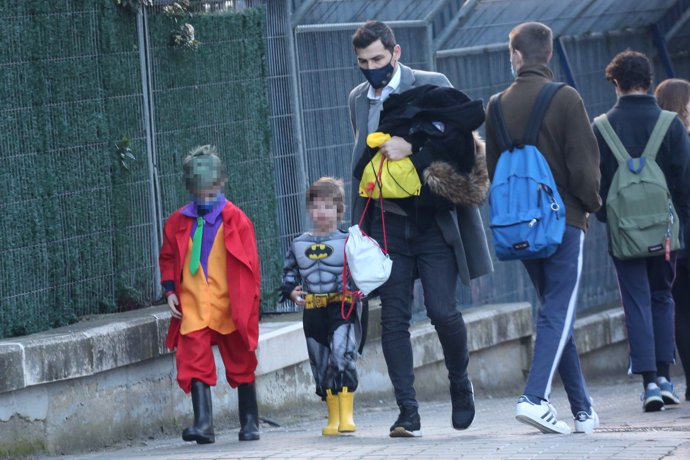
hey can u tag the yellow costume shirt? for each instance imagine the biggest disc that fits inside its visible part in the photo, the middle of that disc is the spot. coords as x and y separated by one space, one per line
207 303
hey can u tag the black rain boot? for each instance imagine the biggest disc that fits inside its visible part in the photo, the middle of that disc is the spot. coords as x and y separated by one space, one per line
249 412
202 431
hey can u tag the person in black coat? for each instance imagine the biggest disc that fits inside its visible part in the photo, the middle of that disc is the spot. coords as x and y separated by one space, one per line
645 283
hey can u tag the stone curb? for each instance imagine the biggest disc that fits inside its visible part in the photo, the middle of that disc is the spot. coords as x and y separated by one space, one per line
54 384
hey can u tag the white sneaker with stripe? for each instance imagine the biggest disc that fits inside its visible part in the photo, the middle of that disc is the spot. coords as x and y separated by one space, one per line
586 423
542 416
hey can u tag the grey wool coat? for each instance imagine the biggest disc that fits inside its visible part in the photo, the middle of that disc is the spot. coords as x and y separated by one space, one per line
462 227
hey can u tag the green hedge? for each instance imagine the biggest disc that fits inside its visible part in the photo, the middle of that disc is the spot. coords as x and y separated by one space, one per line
76 228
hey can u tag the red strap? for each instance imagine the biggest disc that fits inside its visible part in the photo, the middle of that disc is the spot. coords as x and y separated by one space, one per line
667 249
345 290
355 296
370 189
383 226
358 294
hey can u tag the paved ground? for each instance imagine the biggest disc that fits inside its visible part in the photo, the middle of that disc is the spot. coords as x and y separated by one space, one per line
625 433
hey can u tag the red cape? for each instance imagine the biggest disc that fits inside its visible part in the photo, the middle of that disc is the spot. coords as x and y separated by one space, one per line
244 276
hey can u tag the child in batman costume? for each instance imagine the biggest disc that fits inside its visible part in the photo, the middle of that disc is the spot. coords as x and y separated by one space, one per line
210 275
312 278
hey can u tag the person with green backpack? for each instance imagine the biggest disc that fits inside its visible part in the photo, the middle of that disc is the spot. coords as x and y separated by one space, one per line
645 184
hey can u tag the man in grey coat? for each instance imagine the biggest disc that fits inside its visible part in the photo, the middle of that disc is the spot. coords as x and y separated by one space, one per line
434 243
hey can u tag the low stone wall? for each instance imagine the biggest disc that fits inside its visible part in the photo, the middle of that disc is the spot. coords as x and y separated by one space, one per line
99 382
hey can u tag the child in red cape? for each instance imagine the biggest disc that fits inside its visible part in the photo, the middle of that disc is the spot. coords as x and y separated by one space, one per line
210 274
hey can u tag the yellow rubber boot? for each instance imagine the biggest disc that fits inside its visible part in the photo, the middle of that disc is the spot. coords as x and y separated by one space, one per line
347 406
331 429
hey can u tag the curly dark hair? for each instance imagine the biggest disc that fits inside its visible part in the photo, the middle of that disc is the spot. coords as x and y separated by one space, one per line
631 70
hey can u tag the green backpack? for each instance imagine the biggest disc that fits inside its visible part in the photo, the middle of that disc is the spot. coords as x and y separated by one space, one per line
642 221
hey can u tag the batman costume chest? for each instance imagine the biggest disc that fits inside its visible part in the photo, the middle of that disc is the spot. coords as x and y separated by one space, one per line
320 261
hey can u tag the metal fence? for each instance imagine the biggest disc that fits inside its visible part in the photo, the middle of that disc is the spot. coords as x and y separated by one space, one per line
93 243
317 65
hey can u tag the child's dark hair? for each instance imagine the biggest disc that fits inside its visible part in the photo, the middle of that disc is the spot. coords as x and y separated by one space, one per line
328 187
631 69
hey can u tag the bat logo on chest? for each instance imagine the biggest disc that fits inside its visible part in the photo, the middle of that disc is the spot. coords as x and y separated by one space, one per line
318 251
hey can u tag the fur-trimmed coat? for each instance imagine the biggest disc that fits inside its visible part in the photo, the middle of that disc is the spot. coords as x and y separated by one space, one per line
449 158
468 189
462 226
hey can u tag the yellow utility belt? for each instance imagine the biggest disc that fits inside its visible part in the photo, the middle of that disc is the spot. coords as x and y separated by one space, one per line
321 300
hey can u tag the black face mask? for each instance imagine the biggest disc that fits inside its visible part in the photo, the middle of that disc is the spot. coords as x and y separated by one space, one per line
378 78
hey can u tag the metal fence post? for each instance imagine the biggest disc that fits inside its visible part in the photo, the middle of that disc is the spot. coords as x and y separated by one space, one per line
154 200
295 99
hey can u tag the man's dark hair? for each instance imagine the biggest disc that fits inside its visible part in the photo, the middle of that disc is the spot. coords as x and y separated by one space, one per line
534 41
631 69
372 31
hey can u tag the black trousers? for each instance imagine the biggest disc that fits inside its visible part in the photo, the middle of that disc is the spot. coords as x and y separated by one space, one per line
681 296
418 251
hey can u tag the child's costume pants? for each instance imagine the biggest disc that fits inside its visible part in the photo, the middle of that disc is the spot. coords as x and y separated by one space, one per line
332 348
194 359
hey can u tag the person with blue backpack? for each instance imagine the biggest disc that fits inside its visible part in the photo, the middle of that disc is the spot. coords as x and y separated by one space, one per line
645 183
543 160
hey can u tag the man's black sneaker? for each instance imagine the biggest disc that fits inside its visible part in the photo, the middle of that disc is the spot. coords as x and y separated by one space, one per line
462 398
408 424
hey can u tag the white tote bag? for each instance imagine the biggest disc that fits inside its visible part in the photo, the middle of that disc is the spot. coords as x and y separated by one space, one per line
369 266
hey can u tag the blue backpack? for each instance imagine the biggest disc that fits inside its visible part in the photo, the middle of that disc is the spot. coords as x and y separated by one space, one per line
527 212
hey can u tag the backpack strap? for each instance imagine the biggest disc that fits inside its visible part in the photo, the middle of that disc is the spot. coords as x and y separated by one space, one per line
658 133
535 118
538 111
504 140
611 138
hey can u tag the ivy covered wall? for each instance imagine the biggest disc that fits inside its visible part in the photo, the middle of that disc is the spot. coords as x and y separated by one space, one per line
78 222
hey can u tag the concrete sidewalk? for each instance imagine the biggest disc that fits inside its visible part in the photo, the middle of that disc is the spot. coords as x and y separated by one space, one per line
625 433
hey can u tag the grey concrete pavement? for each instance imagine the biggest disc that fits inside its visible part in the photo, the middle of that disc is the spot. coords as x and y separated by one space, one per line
625 433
